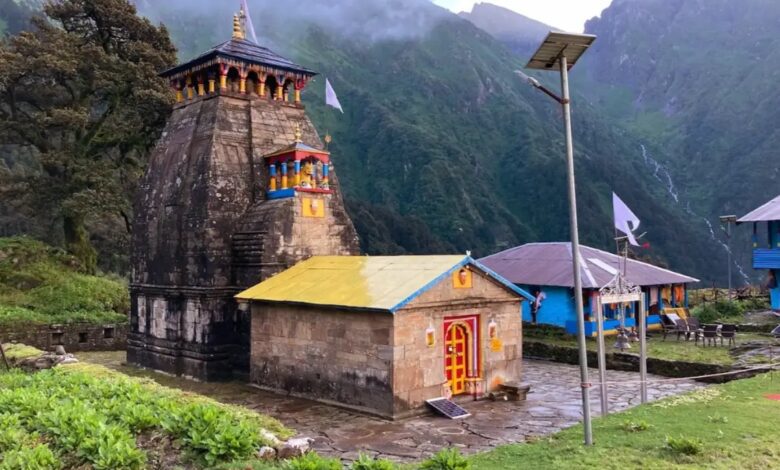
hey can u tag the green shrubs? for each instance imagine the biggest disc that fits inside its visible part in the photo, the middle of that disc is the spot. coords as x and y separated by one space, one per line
364 462
21 450
312 461
43 285
722 310
211 433
635 426
94 420
684 445
446 459
38 457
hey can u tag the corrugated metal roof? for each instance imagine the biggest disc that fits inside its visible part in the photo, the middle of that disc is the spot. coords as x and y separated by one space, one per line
767 212
550 264
363 282
245 50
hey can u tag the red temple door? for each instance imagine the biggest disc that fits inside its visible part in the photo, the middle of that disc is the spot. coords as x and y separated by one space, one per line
456 343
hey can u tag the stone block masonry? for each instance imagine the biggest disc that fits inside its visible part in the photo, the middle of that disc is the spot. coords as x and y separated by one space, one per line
74 337
204 231
381 362
324 353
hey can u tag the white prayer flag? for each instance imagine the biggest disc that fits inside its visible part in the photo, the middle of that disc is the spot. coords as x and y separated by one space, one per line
330 97
625 220
249 26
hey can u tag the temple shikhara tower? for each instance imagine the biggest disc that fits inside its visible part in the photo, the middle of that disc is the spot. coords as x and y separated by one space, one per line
238 189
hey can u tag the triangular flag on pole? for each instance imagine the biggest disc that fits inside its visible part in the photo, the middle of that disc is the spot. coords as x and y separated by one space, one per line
249 26
625 220
330 97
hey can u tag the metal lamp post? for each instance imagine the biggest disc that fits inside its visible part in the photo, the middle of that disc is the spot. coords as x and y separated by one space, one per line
561 51
725 223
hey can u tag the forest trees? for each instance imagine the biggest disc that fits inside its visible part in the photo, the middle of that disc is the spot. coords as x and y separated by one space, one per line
81 91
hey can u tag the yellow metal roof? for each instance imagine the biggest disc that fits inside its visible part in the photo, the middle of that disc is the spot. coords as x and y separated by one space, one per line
369 282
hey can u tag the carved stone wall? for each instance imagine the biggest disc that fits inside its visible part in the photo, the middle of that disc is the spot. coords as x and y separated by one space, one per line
204 231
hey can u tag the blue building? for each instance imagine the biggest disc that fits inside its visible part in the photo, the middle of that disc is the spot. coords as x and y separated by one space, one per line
766 248
545 270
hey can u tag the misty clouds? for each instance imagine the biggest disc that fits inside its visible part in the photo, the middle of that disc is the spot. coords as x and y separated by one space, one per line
358 20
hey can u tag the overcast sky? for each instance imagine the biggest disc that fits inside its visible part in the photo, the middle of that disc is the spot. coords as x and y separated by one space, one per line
569 15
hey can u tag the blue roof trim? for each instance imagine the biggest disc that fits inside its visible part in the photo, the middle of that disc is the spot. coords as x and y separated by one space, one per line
466 261
503 281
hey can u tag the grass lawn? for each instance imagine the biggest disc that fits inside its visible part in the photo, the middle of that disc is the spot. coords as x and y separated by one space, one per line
671 349
735 424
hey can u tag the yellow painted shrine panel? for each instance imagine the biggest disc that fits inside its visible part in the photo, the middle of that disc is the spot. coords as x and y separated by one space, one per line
313 207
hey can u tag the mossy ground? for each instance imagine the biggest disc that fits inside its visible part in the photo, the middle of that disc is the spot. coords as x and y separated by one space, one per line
40 284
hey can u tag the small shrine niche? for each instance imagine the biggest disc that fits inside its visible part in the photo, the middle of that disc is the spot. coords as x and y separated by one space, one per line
297 167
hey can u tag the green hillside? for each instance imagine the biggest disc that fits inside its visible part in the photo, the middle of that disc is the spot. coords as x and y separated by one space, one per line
442 148
703 76
43 285
698 79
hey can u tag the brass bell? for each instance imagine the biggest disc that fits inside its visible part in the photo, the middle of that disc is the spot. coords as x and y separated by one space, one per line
622 342
633 336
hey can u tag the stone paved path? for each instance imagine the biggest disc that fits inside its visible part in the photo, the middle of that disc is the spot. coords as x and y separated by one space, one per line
552 405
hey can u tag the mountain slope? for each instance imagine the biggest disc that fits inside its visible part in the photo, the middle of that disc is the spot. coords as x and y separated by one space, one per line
441 147
516 31
693 81
703 76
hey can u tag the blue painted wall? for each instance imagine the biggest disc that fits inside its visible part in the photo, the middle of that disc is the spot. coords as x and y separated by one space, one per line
774 238
556 309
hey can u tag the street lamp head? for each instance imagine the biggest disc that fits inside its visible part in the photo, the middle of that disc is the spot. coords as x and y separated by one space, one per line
531 80
555 45
728 219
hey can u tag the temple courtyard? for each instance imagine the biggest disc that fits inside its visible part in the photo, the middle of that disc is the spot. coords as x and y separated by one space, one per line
552 405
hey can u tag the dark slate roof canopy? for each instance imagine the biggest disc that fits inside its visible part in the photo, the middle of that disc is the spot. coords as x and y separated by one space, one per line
244 50
768 212
550 264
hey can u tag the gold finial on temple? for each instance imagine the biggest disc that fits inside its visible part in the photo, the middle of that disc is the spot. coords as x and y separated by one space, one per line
238 31
298 134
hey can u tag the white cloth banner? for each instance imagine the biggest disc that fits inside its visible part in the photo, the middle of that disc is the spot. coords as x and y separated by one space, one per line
625 220
330 97
249 26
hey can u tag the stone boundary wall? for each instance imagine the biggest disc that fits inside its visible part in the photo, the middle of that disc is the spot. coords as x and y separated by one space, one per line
630 362
74 337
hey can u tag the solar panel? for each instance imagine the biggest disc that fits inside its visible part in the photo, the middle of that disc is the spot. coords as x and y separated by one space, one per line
448 408
574 45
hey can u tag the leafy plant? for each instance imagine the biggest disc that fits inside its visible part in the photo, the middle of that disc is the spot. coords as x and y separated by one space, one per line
92 414
312 461
446 459
39 457
720 310
366 462
684 445
632 426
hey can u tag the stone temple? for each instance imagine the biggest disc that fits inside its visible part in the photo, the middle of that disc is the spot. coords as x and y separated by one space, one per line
238 188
